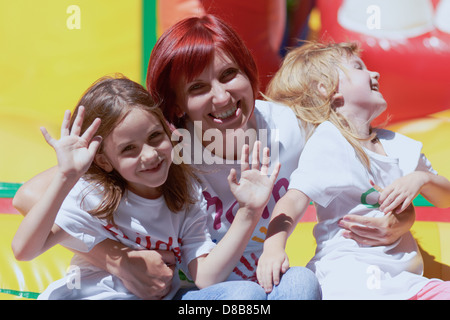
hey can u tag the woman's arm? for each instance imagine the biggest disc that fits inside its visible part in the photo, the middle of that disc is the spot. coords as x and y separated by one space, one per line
146 273
378 231
33 190
395 200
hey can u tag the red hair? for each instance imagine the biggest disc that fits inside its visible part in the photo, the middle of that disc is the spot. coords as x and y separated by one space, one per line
185 50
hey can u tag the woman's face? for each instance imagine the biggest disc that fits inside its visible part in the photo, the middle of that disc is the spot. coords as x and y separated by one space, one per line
221 97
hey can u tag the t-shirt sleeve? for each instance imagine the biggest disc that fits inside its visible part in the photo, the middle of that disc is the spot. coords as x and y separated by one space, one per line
425 165
196 239
323 168
85 231
407 150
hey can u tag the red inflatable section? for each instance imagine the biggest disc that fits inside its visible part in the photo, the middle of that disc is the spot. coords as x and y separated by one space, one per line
414 71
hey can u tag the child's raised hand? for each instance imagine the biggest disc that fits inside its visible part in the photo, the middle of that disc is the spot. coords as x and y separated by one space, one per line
254 187
75 153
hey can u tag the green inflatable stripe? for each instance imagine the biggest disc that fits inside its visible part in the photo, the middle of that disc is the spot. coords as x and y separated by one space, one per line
420 201
149 34
8 189
22 294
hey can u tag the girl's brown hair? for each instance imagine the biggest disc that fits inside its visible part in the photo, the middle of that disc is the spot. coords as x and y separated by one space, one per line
296 86
111 99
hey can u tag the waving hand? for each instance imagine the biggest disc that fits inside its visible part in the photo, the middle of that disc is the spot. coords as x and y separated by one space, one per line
75 152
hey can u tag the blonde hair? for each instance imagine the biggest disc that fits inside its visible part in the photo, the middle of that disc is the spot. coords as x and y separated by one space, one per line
296 85
111 99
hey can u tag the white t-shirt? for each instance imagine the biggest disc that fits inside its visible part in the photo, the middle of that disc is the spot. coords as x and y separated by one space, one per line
277 128
330 173
140 224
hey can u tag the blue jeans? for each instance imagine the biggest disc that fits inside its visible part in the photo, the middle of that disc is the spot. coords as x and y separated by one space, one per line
298 283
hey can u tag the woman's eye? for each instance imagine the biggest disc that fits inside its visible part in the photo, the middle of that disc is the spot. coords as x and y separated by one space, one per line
195 87
229 74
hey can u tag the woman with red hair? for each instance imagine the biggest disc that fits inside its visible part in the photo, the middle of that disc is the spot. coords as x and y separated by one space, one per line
206 80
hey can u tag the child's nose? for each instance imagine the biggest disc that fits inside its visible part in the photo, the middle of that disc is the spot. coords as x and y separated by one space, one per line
148 154
375 75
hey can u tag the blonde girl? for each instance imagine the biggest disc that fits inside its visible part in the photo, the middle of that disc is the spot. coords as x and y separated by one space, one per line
344 160
116 180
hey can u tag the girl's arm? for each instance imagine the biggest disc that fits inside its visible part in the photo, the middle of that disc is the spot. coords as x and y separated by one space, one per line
146 273
395 200
400 194
252 192
274 261
37 232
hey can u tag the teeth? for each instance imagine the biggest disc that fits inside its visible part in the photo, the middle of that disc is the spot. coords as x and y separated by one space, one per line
225 114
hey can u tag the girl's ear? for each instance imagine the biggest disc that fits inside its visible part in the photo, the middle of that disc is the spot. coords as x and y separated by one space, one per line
322 89
101 161
337 99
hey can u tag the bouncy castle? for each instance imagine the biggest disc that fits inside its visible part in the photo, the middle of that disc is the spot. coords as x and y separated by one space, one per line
54 49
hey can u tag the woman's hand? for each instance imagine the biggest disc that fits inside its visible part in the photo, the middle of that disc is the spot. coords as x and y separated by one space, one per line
378 231
385 230
148 273
254 188
75 153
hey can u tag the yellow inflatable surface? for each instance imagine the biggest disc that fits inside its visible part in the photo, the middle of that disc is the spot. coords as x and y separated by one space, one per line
52 50
20 280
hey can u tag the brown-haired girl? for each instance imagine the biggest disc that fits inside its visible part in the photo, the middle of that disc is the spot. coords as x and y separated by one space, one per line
116 180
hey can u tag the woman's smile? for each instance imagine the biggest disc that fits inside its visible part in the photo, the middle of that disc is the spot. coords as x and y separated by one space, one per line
221 97
229 114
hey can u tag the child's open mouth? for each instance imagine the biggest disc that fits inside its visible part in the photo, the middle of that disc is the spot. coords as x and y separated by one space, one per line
153 168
